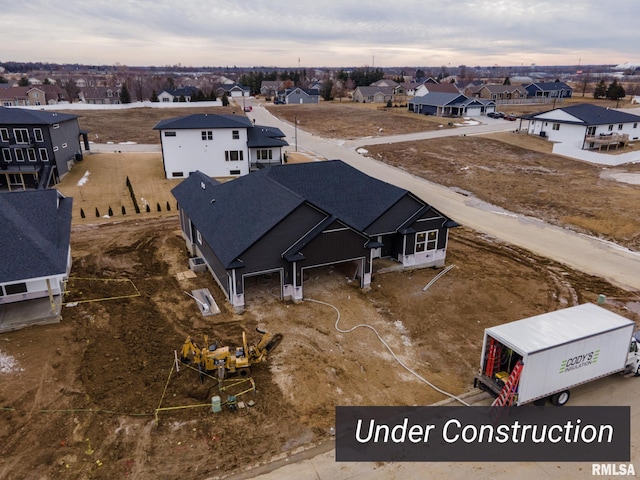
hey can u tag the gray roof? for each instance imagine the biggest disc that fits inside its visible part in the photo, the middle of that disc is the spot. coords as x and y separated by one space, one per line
439 99
549 86
36 226
261 136
234 215
594 115
204 120
375 90
23 116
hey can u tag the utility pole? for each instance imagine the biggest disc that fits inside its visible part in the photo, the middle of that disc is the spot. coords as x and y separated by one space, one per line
295 129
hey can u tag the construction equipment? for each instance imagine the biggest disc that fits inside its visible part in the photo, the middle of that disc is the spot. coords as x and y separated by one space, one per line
228 360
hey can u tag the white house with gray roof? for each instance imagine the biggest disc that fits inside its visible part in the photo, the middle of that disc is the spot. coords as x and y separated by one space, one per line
217 145
585 126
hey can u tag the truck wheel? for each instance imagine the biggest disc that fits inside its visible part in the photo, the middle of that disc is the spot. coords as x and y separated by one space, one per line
560 399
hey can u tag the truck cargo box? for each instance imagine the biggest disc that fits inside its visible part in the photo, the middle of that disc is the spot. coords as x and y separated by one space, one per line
558 350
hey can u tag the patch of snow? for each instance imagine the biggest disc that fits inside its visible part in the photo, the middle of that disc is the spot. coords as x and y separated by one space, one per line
8 364
362 151
84 179
128 143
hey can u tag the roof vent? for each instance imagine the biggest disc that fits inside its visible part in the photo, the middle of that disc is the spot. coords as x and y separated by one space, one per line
202 185
212 200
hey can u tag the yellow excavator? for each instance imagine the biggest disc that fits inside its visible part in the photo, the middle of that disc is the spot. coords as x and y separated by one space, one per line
228 360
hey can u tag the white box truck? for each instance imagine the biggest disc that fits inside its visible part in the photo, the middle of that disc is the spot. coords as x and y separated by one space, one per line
543 357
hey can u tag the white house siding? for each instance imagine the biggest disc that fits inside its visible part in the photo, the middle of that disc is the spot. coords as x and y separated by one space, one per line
565 133
186 152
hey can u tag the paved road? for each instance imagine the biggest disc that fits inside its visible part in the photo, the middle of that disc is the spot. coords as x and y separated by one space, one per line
587 254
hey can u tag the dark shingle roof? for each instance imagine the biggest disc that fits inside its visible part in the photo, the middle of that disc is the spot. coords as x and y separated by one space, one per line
23 116
594 115
234 215
36 226
204 120
245 209
261 136
339 189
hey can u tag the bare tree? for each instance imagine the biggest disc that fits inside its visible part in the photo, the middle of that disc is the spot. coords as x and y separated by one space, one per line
68 84
584 81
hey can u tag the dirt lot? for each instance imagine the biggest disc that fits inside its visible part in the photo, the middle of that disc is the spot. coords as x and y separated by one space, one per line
79 399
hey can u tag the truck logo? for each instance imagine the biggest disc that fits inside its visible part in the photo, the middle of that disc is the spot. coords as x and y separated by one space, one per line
579 361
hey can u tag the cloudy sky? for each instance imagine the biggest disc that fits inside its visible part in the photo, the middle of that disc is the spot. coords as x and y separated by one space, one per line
317 33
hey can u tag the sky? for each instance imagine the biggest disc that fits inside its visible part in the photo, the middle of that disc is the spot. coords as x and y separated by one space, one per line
321 33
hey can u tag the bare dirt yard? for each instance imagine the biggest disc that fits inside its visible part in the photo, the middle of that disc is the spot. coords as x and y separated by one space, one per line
96 396
80 398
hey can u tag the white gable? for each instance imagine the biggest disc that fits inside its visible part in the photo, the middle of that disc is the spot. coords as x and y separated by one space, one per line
559 115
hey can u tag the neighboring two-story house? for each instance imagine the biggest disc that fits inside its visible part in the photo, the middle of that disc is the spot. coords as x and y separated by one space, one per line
217 145
32 96
37 148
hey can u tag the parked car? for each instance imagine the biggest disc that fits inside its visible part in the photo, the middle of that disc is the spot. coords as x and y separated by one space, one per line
511 118
495 115
248 109
278 102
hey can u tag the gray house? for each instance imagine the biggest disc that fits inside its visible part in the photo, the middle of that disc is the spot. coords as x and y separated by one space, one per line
284 220
450 105
297 95
38 148
35 258
549 90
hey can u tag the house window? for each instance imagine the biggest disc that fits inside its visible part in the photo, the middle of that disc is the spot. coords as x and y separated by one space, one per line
199 237
234 155
19 155
556 126
169 134
4 134
6 154
44 154
177 174
235 134
635 125
37 133
31 154
619 126
15 288
21 134
207 134
610 127
426 241
234 172
265 155
591 130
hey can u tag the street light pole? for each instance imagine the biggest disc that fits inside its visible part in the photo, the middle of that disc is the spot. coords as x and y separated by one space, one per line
295 120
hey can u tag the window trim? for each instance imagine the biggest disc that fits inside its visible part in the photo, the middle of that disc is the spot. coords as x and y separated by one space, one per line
37 134
19 155
44 154
31 155
4 134
20 134
6 155
426 241
206 135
